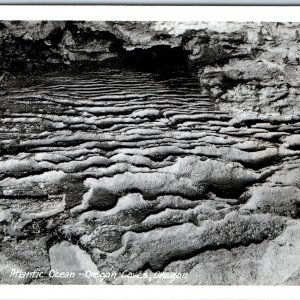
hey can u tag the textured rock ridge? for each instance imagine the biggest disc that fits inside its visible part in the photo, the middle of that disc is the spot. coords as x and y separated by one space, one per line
152 153
242 66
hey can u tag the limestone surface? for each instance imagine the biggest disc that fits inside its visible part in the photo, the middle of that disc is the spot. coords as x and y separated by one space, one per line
149 153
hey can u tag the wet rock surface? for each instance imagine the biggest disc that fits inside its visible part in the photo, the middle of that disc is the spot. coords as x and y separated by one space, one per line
187 166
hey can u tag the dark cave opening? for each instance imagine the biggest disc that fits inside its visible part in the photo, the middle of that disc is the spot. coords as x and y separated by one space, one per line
74 50
161 58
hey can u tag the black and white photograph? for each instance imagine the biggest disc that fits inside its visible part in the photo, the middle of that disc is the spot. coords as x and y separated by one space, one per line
149 153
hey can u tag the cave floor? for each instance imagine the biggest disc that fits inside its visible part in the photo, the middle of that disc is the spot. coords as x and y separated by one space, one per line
124 171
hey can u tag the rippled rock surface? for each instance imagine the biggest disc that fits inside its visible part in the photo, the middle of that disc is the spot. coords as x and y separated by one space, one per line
149 153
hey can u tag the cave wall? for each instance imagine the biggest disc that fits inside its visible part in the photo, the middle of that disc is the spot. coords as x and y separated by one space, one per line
249 67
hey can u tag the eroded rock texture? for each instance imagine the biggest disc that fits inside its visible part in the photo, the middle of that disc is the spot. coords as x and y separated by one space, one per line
144 150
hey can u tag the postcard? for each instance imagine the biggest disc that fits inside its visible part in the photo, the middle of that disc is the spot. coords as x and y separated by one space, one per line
139 152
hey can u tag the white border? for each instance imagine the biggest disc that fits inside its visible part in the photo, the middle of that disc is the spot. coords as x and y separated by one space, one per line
151 13
51 292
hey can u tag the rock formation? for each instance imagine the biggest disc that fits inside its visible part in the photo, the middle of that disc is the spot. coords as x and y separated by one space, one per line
151 153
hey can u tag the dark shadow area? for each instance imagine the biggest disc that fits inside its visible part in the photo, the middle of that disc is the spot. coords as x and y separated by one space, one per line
158 58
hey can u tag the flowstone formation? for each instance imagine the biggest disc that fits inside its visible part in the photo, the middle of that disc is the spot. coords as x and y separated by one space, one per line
149 153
